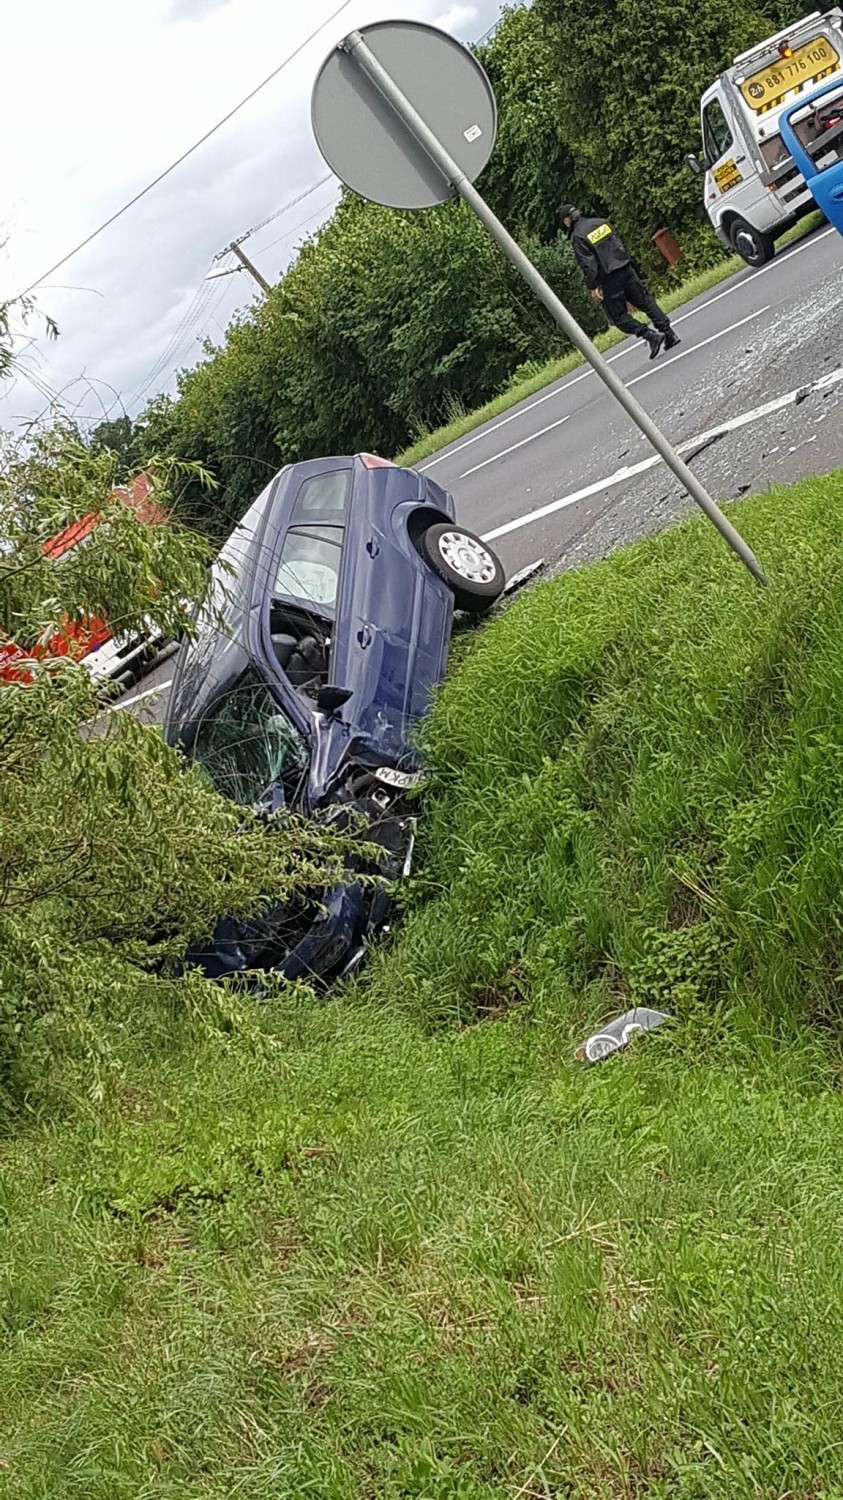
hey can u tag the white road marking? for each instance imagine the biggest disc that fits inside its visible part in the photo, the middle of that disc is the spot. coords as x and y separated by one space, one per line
530 439
813 239
485 431
620 476
139 697
654 370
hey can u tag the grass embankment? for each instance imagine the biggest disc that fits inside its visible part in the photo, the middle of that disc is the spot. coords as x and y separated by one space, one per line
431 442
399 1244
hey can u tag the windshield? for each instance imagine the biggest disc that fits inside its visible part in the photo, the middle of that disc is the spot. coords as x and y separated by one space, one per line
245 745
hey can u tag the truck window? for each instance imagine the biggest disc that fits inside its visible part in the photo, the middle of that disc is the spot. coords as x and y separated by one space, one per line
717 137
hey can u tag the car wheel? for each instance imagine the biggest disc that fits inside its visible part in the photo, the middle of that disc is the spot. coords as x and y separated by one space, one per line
471 570
750 244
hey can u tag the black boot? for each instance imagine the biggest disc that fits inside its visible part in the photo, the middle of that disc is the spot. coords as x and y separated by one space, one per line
655 340
671 339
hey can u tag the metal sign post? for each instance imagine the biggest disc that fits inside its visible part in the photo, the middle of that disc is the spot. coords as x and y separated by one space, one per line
377 142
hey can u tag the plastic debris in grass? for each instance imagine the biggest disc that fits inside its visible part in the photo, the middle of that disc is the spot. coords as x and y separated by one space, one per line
618 1033
518 580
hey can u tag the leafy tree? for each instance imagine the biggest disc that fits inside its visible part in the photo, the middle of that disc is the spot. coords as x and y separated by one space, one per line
631 73
386 322
532 167
113 856
125 571
117 437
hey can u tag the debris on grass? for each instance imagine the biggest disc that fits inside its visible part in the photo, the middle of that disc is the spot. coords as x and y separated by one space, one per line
618 1033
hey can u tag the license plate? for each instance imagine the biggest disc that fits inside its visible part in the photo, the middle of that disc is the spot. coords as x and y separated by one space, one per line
401 779
767 88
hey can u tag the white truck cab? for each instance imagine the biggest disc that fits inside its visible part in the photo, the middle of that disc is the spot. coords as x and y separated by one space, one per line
753 191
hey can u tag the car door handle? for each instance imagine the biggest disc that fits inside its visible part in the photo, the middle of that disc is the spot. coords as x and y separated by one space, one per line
837 193
372 547
364 637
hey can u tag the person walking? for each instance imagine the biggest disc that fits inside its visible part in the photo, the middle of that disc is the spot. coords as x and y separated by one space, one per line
612 278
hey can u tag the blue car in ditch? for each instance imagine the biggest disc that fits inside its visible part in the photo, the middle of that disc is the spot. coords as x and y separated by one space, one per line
326 631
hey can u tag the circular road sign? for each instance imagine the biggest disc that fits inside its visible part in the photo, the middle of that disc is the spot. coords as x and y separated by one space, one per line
362 138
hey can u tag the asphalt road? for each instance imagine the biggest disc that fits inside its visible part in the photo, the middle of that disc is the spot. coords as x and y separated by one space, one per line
550 478
752 395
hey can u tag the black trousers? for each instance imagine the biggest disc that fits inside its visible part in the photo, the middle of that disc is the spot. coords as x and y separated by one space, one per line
621 287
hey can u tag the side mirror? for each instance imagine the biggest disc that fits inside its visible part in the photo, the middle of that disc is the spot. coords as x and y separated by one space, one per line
694 165
330 699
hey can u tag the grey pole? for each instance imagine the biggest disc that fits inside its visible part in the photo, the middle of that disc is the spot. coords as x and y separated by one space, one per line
355 46
248 266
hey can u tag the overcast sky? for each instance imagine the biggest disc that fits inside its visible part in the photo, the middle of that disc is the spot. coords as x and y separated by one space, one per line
102 96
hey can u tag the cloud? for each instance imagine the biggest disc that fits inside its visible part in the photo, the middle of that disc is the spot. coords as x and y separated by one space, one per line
459 20
192 10
125 91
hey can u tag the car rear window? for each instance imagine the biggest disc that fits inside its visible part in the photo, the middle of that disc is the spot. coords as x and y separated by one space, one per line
324 494
309 568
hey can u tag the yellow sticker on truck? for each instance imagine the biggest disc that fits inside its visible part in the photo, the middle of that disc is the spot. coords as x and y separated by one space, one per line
808 64
602 232
727 175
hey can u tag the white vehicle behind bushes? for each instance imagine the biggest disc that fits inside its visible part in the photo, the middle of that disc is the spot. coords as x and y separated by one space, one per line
119 658
753 190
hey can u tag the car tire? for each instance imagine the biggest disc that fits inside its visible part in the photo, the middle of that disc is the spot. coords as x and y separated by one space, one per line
750 244
470 568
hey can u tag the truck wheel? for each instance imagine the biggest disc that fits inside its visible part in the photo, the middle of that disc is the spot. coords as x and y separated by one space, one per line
753 246
470 568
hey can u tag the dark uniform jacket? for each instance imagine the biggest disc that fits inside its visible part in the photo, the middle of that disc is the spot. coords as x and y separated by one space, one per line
599 250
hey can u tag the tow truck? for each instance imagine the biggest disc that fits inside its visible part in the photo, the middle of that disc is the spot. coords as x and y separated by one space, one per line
753 188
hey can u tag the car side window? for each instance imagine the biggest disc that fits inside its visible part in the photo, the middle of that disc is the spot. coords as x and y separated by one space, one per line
309 567
717 136
323 494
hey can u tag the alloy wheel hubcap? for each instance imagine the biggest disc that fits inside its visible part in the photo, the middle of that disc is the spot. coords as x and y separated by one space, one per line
467 557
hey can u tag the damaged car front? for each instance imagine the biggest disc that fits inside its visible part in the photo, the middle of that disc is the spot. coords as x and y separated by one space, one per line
324 635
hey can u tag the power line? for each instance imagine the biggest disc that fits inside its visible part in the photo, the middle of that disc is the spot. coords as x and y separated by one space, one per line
316 185
197 309
185 154
262 249
278 212
202 304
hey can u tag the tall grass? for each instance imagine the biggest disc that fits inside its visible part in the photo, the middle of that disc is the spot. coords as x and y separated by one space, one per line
399 1245
640 774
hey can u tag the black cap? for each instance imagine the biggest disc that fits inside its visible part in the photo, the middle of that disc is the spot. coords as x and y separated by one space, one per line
567 211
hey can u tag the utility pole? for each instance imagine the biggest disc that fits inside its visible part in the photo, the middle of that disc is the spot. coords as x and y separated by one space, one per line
247 265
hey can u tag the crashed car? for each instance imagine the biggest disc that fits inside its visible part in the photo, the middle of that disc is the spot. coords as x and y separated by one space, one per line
326 631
